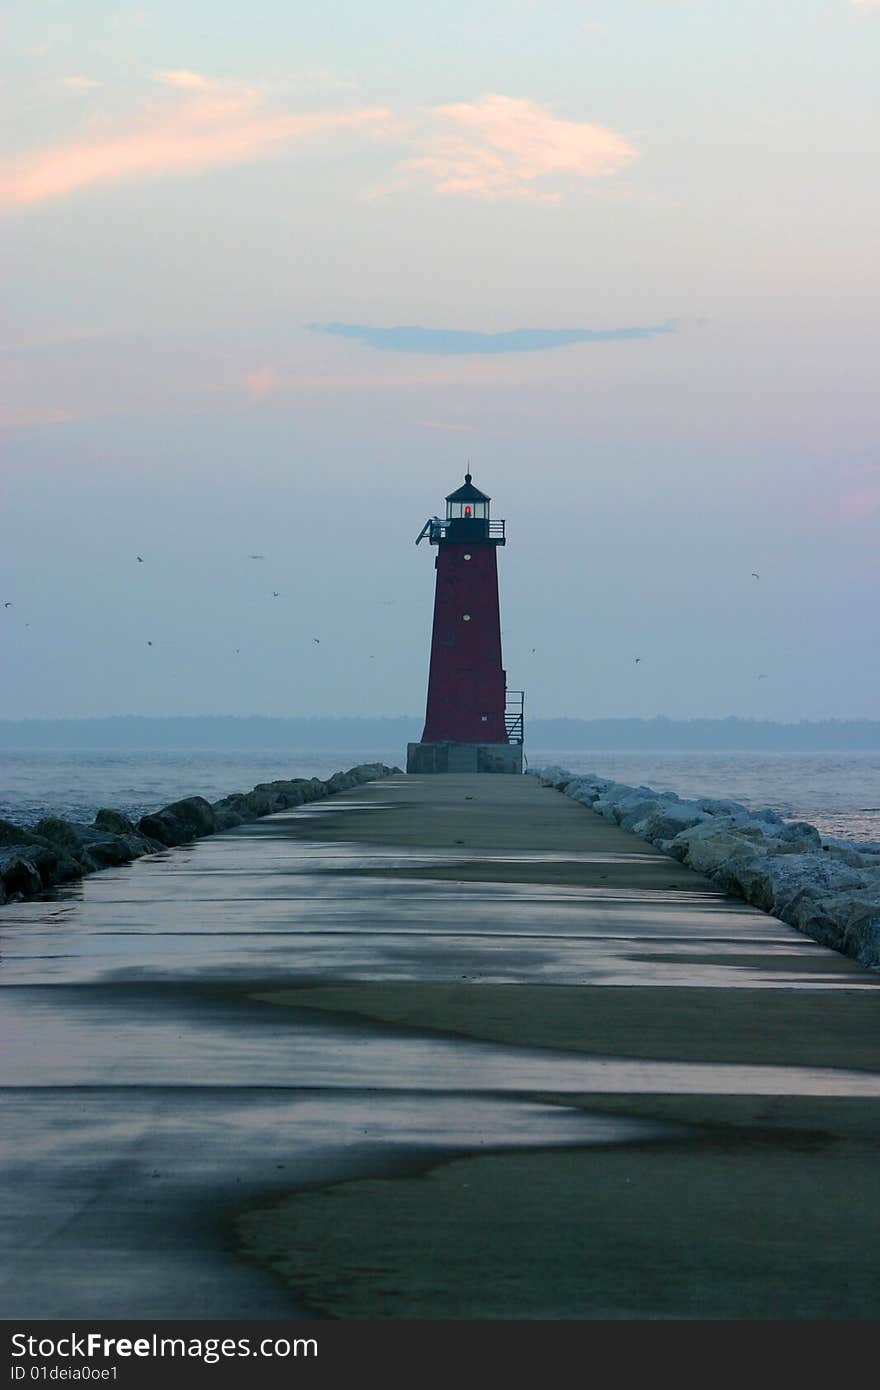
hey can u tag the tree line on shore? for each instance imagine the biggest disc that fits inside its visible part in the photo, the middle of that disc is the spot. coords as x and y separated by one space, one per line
228 732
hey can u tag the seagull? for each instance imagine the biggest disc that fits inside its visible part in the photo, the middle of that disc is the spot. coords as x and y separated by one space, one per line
534 649
638 659
149 644
275 593
140 559
755 576
7 605
316 639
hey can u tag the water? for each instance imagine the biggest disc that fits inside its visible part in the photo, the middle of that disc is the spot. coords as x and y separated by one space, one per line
839 793
77 784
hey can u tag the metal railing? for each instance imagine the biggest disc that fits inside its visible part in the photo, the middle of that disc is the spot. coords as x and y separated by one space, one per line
514 702
435 529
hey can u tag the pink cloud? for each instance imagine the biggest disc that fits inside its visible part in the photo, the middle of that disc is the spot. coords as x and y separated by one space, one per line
80 83
185 78
210 125
261 383
13 417
504 147
860 503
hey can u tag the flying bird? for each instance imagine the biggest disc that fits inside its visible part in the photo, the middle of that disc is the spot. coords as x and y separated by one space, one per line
258 557
755 576
275 593
140 559
638 659
316 639
149 644
7 605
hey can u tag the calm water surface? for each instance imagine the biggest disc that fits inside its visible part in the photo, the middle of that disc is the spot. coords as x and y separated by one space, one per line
837 792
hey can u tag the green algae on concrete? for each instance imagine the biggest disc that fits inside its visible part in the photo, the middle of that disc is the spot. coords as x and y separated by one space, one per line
786 1027
755 1222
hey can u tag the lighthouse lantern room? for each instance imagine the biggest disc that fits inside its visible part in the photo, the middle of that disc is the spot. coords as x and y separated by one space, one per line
472 723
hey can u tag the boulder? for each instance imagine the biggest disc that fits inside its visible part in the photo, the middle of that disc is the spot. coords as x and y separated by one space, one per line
713 849
731 810
19 876
50 864
114 821
63 833
16 835
801 833
179 822
635 807
585 792
669 819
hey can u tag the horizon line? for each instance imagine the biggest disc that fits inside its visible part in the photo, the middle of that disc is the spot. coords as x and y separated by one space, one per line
375 718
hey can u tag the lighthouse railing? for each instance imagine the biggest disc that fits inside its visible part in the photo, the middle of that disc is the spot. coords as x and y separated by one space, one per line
435 530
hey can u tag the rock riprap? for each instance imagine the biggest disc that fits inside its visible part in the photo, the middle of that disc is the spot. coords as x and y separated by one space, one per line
35 858
829 889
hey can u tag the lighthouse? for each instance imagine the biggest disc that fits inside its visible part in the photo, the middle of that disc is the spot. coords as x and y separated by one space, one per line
473 723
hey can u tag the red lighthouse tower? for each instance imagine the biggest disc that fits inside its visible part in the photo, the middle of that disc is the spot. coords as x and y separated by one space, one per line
472 724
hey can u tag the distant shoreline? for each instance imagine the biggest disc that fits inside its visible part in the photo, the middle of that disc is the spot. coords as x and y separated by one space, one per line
249 733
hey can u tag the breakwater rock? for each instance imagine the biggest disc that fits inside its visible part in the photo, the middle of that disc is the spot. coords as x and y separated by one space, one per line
34 859
829 889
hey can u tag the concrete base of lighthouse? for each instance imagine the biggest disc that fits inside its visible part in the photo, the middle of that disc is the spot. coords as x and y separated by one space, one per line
464 757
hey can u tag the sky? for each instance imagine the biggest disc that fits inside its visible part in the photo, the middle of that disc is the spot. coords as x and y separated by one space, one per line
274 276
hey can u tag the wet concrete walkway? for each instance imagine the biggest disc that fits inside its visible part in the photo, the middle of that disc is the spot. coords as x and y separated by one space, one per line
415 971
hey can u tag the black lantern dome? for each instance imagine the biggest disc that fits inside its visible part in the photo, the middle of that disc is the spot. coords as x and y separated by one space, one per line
467 503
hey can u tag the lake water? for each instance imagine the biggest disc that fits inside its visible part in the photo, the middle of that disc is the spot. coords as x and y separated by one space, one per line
839 793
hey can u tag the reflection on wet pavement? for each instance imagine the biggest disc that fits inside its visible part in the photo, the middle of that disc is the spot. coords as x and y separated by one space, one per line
114 1180
256 1043
239 907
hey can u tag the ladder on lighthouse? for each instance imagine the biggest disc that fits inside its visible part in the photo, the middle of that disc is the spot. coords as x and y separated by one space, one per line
514 701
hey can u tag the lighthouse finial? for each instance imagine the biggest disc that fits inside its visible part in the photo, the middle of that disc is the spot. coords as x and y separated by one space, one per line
467 476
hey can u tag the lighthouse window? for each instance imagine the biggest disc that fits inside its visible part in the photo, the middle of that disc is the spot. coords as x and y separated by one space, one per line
465 617
467 511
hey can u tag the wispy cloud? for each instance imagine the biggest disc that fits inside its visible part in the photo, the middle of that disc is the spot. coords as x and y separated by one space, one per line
866 4
503 147
210 123
184 77
79 82
460 342
448 425
497 147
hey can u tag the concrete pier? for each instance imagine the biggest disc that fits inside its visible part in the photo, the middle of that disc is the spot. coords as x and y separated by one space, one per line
540 1070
